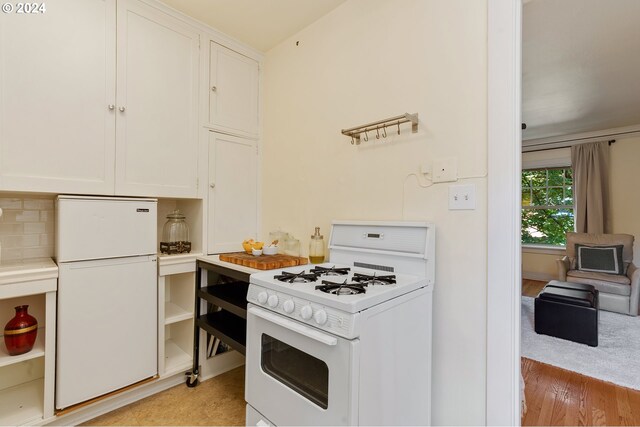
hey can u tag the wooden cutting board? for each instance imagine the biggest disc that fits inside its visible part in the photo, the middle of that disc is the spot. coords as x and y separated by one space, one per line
263 262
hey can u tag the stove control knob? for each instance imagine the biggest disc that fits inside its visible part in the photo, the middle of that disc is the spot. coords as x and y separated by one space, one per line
320 317
262 297
306 312
273 301
289 306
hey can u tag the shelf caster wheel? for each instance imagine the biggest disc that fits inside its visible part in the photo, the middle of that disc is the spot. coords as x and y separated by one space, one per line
192 379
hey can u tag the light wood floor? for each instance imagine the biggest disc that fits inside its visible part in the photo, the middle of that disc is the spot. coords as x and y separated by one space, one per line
557 397
218 401
531 288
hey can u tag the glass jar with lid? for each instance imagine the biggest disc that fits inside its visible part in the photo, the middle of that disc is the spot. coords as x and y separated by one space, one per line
175 234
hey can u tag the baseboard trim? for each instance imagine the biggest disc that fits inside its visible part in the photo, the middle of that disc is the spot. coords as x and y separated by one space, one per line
534 275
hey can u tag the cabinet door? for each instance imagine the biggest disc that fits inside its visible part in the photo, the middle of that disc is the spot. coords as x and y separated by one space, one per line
57 81
233 91
233 192
156 127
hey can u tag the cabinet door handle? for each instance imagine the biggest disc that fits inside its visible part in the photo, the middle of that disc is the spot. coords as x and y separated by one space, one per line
111 107
122 109
214 88
212 185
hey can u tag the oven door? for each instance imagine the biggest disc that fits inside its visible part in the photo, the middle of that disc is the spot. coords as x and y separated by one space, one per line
297 374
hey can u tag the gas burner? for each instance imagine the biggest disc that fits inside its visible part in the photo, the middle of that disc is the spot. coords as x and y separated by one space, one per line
343 288
330 271
301 277
374 280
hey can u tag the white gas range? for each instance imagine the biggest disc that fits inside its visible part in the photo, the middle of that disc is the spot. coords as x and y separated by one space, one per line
346 342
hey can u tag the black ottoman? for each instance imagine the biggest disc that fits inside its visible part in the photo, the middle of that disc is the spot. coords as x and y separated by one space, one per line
568 311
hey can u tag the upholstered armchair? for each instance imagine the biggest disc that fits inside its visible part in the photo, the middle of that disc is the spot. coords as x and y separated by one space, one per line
618 292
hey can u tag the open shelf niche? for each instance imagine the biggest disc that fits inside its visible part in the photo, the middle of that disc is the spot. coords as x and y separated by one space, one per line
176 289
192 210
26 380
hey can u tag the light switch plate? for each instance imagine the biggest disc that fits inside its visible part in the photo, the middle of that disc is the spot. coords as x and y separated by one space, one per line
445 169
462 197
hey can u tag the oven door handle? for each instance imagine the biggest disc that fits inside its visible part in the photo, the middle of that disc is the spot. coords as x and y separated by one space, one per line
294 326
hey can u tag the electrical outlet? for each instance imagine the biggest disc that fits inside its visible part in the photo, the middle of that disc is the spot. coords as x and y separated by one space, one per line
445 169
462 197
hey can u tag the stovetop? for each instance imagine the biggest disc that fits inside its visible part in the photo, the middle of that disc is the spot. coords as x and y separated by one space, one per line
351 292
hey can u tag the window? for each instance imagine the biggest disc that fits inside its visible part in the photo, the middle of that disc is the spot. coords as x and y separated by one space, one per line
547 205
303 373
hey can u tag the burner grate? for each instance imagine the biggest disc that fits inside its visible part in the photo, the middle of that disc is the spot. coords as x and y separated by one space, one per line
301 277
330 271
374 280
343 288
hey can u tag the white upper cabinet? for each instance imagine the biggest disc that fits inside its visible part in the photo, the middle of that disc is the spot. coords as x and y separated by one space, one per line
72 121
57 81
233 91
157 107
233 192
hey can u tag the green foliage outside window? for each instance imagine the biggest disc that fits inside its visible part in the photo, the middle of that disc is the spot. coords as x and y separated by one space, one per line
547 205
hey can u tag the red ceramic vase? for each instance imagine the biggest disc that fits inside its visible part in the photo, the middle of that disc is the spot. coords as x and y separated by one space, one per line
21 331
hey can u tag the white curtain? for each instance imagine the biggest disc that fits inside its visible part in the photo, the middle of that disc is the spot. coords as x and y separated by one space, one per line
590 163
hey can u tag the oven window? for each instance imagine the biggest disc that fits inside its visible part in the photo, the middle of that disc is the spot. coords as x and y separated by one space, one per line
296 369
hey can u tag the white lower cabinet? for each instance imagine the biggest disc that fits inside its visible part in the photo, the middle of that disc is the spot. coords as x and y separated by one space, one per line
176 293
233 192
27 380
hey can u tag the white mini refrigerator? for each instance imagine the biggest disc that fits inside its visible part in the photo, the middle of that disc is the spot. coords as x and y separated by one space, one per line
107 295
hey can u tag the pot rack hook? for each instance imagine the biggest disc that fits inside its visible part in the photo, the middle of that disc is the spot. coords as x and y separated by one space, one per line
353 141
380 126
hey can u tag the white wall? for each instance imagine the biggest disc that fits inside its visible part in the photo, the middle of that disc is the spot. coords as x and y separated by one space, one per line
367 60
540 266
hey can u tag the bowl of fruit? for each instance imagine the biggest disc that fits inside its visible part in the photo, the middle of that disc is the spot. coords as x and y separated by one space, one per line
249 245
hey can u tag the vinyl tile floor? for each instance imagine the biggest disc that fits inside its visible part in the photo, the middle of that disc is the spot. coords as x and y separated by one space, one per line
217 401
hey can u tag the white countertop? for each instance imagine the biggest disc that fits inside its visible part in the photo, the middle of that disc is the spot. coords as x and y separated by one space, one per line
164 259
177 263
215 259
27 270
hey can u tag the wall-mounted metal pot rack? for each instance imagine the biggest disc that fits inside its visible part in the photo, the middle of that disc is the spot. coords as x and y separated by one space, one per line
355 132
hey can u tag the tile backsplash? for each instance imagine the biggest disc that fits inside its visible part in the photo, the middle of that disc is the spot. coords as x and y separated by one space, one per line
27 227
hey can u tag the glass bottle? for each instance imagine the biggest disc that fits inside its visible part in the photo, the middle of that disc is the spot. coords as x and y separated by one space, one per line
316 248
175 234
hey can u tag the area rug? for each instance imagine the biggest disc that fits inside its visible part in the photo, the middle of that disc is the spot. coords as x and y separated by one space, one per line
615 360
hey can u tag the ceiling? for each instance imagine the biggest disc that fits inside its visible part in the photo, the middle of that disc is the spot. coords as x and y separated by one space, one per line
261 24
581 66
